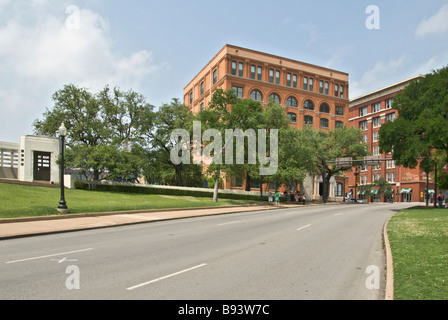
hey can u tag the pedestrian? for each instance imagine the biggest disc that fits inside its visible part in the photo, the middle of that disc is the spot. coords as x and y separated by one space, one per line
440 200
277 197
304 199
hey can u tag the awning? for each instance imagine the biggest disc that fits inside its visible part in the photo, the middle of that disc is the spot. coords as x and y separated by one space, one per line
374 192
407 190
360 193
431 191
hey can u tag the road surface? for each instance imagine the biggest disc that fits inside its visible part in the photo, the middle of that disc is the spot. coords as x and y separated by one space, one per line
312 252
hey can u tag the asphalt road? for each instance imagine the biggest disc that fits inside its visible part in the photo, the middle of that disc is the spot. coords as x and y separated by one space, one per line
319 252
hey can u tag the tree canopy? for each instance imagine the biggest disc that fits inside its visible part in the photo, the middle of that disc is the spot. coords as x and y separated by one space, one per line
419 134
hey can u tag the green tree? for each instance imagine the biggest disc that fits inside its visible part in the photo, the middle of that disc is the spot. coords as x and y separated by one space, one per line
168 118
100 129
421 127
324 147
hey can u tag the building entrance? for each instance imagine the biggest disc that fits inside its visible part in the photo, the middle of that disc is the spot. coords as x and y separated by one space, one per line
42 166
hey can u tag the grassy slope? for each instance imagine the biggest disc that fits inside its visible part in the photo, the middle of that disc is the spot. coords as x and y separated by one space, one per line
27 201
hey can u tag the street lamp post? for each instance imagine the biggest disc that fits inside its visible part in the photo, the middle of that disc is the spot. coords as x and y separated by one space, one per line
62 208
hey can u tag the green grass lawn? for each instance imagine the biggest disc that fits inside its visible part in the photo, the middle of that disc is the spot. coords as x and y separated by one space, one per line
419 243
28 201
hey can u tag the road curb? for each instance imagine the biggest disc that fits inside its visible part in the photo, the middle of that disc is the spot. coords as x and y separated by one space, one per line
389 295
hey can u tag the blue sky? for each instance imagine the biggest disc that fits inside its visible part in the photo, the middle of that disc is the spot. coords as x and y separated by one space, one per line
156 47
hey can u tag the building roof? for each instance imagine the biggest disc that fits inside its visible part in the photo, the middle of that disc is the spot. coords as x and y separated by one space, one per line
384 91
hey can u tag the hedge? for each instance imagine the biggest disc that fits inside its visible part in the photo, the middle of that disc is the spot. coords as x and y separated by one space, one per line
173 192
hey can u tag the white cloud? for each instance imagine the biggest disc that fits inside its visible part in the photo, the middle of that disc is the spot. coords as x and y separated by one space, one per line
382 74
39 53
436 24
434 63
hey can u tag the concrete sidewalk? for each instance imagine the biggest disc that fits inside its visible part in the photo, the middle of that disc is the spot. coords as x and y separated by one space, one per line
34 226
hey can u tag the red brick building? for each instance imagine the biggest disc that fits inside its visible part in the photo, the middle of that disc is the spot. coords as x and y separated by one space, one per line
369 112
310 94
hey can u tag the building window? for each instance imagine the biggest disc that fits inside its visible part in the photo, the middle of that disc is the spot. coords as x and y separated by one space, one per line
390 117
321 86
390 164
202 106
253 72
238 91
292 117
376 122
271 75
324 108
363 125
339 111
277 77
309 121
338 190
256 95
375 136
191 97
294 80
375 150
240 69
376 107
336 90
389 103
291 102
233 68
260 73
202 88
311 84
342 91
308 105
288 79
363 111
324 123
339 124
305 83
215 76
327 85
275 97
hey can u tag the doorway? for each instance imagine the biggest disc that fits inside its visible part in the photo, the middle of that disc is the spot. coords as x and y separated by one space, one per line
42 166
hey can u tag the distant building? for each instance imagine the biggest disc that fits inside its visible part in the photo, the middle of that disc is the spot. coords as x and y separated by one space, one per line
311 95
368 112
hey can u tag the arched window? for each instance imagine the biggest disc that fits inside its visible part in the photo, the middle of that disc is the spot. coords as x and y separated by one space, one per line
309 120
292 117
308 105
275 97
324 123
339 124
324 108
291 102
256 95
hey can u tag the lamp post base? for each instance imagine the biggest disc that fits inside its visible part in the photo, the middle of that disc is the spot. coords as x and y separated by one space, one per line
62 211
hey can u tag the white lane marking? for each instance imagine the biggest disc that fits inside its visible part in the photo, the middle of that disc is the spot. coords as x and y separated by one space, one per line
50 255
165 277
223 224
304 227
338 214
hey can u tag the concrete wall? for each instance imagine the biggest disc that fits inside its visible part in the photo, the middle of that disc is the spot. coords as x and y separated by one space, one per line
28 146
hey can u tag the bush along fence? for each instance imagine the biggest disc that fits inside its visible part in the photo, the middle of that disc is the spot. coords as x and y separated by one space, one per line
173 191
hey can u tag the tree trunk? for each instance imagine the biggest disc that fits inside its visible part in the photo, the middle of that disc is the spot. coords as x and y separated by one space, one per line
179 180
215 190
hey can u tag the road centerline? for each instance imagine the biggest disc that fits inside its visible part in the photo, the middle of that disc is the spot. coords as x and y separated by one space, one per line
48 256
304 227
165 277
